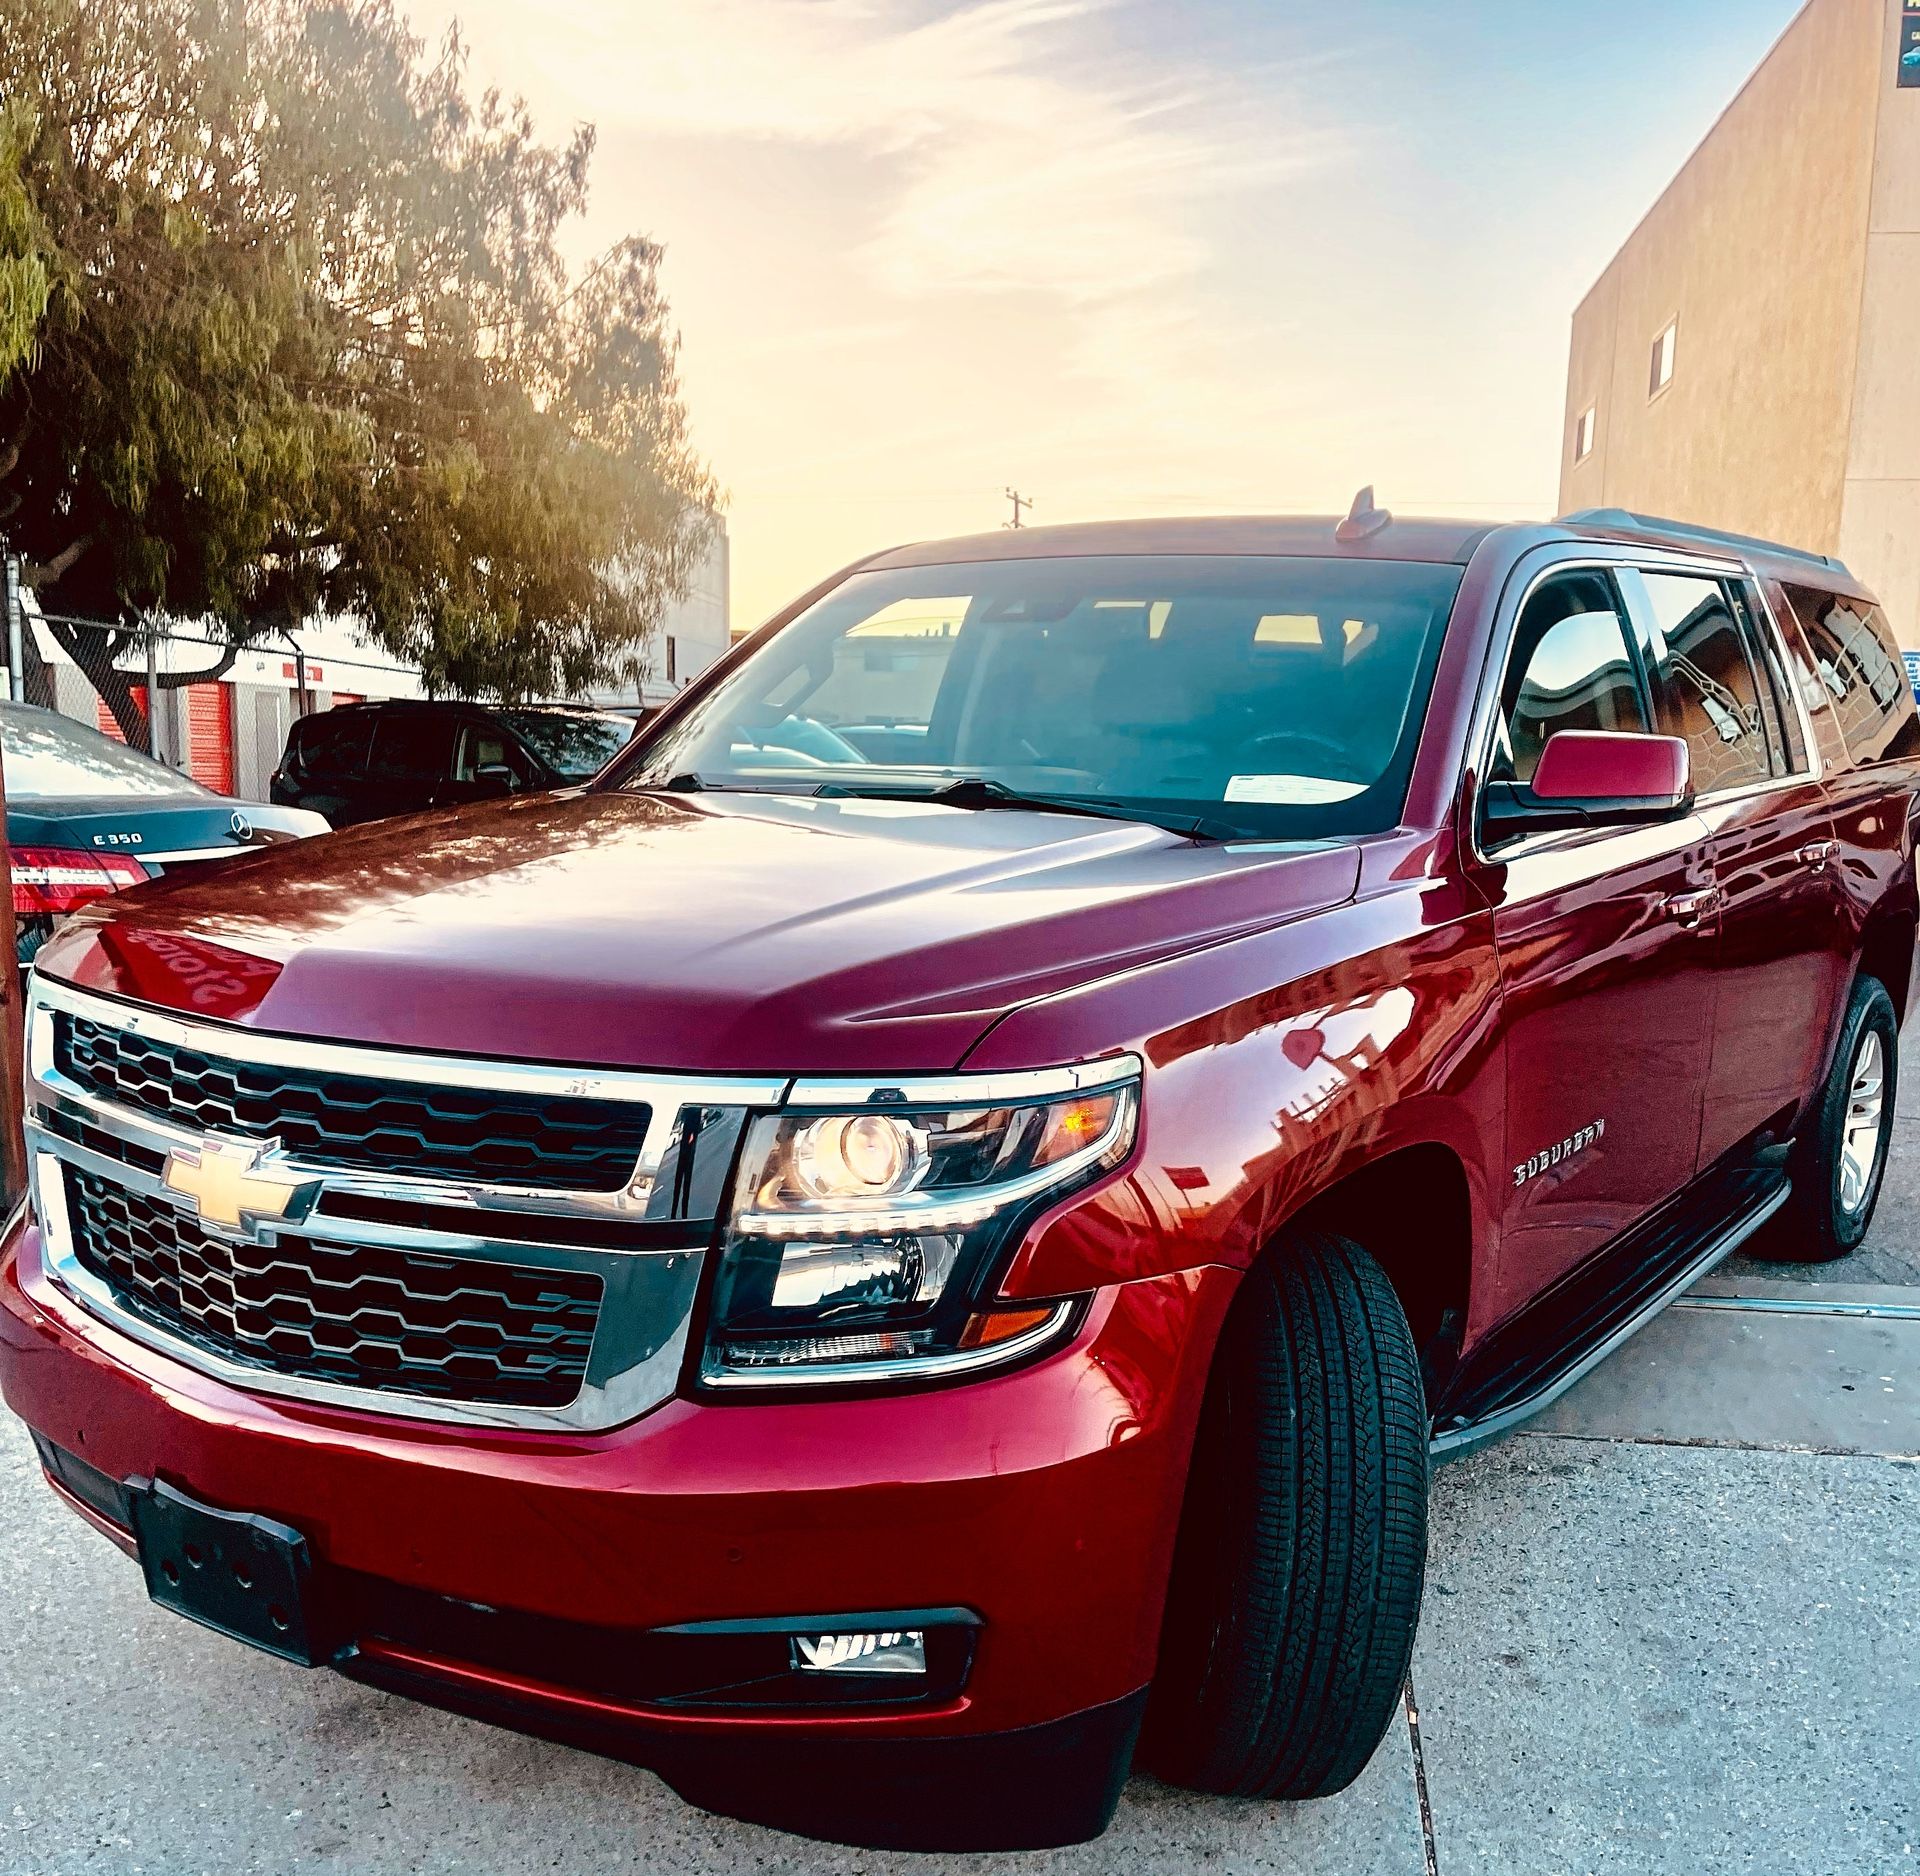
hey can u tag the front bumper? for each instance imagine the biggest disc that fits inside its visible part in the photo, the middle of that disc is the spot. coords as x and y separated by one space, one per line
518 1576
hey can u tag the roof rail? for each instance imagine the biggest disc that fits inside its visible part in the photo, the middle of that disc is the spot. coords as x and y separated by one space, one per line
1622 520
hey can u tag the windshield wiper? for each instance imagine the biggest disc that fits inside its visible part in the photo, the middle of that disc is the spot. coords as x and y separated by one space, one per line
968 791
982 792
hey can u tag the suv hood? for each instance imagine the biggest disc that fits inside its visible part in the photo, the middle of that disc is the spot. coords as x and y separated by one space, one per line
706 933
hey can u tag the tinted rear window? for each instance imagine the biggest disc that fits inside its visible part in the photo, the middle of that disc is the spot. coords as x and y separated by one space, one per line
1706 690
1859 667
333 745
412 746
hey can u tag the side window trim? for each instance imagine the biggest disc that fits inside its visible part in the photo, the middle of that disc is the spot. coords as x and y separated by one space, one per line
1776 656
1740 597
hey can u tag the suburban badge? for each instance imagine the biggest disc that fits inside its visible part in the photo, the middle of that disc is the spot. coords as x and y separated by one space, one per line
1552 1156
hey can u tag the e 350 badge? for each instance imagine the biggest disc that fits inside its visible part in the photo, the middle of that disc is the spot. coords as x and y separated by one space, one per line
1549 1157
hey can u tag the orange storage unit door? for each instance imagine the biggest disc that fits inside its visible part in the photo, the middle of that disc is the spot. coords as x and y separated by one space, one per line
210 736
103 717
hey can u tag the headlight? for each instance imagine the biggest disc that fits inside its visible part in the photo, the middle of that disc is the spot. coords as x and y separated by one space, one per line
863 1242
857 1156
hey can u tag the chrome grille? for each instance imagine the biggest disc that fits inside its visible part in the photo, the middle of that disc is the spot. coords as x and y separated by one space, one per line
544 1142
466 1329
446 1284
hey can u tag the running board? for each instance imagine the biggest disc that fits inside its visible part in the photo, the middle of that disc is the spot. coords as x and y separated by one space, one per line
1492 1397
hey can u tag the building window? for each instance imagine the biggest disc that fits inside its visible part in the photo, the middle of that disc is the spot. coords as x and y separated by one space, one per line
1661 374
673 662
1583 433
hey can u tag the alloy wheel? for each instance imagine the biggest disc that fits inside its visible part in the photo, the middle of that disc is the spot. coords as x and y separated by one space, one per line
1860 1132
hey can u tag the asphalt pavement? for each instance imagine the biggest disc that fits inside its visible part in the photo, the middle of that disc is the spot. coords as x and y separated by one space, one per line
1673 1629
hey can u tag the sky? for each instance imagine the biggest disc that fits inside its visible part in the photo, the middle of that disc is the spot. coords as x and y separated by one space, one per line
1129 257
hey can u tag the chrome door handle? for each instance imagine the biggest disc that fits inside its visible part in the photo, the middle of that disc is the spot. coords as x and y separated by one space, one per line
1816 853
1689 908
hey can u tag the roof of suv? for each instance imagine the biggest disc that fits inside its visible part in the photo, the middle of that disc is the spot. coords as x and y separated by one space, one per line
1402 538
1445 541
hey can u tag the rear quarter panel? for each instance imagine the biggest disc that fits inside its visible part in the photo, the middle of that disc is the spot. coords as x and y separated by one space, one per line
1875 815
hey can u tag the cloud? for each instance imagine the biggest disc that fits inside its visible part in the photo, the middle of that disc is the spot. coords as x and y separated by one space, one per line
1007 147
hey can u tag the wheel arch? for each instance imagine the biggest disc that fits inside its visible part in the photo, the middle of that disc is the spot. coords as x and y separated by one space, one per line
1887 941
1412 1210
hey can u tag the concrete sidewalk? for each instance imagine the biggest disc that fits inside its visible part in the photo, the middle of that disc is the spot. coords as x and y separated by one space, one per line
1673 1629
1640 1654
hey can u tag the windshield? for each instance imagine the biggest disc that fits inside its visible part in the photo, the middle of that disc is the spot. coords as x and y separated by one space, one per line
573 747
1249 696
49 757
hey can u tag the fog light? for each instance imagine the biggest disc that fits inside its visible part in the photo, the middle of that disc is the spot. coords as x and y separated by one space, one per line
902 1651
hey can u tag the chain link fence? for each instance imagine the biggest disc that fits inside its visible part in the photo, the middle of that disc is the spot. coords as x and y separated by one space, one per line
193 699
189 698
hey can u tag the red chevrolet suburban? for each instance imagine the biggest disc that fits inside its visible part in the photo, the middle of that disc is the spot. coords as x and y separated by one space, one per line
910 1246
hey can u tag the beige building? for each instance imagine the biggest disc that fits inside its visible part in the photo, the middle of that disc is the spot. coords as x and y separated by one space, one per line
1751 358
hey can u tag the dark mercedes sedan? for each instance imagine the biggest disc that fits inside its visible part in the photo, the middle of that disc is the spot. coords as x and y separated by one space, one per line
87 816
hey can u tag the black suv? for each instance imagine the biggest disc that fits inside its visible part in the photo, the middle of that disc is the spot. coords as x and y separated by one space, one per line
362 761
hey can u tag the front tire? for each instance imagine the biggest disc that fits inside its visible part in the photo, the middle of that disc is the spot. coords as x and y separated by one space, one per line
1302 1551
1839 1163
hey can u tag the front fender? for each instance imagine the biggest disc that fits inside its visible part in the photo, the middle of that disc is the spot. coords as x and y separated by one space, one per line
1310 1052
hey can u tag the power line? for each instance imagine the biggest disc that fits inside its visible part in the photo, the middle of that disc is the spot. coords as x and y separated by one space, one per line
1020 504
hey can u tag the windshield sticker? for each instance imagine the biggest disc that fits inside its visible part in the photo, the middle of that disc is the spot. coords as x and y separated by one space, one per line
1292 791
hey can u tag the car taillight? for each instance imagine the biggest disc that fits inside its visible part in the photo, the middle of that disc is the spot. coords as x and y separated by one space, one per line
48 880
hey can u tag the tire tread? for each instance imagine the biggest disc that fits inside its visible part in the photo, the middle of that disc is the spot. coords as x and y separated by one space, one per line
1810 1228
1298 1582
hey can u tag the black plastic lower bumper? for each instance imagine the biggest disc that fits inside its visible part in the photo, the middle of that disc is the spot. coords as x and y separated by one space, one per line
1035 1788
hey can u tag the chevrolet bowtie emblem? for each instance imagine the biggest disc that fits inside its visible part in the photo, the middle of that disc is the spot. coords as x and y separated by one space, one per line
229 1186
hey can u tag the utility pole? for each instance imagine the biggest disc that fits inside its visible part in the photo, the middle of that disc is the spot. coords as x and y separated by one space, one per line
1020 504
153 691
302 697
13 1145
16 626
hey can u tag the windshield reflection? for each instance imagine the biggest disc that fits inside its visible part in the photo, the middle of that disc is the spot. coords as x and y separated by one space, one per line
1273 697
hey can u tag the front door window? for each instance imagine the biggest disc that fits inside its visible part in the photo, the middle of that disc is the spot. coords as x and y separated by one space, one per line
1570 669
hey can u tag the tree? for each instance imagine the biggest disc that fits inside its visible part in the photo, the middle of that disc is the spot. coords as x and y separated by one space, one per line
286 328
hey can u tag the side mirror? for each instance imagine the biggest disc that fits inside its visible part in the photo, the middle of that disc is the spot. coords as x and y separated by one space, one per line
497 775
1594 778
